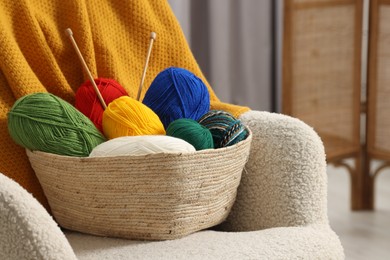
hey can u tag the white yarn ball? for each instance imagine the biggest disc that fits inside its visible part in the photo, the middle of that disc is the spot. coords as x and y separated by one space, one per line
141 145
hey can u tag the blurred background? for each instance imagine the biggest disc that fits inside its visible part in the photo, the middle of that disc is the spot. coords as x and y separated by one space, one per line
235 44
326 62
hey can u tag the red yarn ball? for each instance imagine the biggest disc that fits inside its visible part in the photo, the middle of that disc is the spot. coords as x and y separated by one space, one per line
89 104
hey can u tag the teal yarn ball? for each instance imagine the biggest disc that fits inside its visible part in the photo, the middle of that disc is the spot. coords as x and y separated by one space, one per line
191 131
225 128
47 123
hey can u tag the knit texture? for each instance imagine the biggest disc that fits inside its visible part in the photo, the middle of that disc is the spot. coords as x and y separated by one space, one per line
113 36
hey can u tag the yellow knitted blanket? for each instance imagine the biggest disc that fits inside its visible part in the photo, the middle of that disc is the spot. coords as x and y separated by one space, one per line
113 36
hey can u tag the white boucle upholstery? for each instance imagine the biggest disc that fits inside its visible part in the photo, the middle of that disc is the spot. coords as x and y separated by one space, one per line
27 231
311 242
285 179
280 209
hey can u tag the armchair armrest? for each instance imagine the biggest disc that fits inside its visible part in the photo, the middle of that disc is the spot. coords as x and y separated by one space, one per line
284 182
27 231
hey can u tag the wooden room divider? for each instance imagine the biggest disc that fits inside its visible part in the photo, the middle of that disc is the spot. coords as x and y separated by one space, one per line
378 92
322 48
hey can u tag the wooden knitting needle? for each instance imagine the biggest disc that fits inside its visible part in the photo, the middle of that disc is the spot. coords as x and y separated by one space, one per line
152 39
85 67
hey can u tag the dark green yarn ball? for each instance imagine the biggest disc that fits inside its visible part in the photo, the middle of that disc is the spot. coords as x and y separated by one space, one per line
225 128
192 132
46 123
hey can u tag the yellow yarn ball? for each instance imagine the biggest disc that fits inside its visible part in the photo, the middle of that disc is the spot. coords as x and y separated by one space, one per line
126 116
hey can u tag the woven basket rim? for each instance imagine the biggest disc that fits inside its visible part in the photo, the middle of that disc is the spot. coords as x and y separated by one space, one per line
151 155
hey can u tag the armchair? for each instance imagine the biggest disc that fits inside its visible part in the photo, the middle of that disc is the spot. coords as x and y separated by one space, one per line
280 211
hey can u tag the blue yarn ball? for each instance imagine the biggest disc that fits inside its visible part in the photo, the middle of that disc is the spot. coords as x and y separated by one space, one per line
177 93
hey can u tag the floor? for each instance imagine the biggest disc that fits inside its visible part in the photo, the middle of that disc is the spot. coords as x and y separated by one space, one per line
364 234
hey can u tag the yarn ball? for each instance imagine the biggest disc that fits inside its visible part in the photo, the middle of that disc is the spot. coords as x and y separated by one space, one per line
47 123
126 116
177 93
225 128
88 102
141 145
191 131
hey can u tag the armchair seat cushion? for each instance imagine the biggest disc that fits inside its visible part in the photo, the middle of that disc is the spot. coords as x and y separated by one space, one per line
309 242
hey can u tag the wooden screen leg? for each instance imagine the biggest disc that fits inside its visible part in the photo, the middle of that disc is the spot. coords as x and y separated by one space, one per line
362 183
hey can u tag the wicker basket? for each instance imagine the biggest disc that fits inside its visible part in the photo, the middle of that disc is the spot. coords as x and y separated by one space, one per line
151 197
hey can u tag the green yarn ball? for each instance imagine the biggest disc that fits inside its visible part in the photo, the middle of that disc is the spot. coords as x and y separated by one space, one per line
47 123
225 128
191 131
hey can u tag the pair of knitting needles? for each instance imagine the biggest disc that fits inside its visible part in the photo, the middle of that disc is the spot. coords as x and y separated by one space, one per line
86 69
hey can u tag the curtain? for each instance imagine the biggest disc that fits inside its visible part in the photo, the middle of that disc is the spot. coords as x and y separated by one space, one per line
233 42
